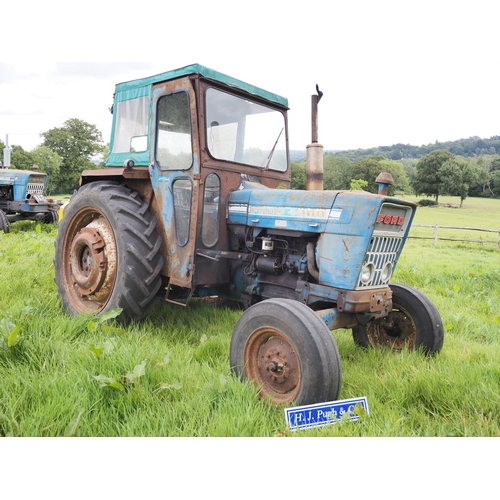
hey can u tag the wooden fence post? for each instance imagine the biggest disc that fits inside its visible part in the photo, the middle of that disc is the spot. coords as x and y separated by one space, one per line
435 236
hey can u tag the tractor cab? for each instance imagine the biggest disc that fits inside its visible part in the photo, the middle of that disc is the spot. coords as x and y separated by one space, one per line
196 134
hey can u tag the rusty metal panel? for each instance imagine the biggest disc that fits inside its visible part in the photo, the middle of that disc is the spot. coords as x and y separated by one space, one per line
179 259
365 301
114 173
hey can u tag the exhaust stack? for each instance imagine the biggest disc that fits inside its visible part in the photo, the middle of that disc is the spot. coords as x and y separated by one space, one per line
314 158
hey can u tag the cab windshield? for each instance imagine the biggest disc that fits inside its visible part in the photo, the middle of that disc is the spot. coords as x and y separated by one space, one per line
242 131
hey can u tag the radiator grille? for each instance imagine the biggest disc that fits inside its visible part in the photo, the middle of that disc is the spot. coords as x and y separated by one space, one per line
35 188
382 250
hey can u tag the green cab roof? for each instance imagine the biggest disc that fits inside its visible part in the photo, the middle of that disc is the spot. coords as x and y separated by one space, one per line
142 86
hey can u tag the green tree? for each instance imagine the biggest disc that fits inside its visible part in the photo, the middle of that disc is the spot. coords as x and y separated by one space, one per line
410 167
358 184
427 179
21 159
337 172
495 183
104 157
489 163
298 175
458 176
369 169
49 162
76 142
399 175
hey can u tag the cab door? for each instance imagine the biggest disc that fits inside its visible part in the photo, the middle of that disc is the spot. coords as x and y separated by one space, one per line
175 175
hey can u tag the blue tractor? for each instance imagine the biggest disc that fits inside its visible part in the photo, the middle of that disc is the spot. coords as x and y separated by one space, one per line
196 202
22 198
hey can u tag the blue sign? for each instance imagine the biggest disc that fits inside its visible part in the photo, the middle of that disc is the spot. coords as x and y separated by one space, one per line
317 415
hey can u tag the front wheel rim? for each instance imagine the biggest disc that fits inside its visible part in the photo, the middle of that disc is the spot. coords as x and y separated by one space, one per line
397 330
272 362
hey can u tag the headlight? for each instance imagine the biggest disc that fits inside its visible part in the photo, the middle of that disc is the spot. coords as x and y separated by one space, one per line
386 273
367 272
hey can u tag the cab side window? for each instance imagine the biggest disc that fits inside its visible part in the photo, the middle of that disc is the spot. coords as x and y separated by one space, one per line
173 132
182 190
211 203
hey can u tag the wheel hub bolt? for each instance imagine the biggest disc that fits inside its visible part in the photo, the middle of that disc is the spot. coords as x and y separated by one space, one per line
276 367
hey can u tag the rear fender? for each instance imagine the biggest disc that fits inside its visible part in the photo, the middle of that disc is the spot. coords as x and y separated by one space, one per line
137 179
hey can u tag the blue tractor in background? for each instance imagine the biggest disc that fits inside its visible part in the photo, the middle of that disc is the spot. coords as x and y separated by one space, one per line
22 197
196 202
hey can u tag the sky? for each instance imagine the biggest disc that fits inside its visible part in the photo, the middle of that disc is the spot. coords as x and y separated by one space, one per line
411 72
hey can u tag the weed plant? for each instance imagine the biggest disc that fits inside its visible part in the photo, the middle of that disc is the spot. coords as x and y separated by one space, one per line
169 375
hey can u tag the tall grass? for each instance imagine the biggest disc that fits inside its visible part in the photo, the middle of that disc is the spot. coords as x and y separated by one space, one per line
170 376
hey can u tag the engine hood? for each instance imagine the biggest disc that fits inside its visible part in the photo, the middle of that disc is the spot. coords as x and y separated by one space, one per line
312 211
284 209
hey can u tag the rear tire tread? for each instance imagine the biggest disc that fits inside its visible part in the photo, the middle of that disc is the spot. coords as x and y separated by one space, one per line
138 268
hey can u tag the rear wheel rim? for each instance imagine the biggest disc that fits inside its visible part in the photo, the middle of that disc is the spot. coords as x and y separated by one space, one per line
90 254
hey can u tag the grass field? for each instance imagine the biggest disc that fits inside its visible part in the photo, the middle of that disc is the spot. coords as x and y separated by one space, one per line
170 376
480 213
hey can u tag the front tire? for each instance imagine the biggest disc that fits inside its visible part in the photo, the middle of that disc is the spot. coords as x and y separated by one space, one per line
285 348
414 323
51 217
108 252
4 222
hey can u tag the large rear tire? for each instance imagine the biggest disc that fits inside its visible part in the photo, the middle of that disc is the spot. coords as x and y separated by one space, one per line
108 252
414 323
285 348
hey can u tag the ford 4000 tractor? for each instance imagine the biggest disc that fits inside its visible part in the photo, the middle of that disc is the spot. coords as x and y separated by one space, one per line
22 198
195 201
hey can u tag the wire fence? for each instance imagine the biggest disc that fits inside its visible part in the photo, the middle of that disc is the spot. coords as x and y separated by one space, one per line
436 228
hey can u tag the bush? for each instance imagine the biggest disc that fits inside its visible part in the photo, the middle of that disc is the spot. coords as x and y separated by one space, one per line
427 203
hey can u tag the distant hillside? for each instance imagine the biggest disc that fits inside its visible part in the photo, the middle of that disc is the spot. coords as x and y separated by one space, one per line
473 146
